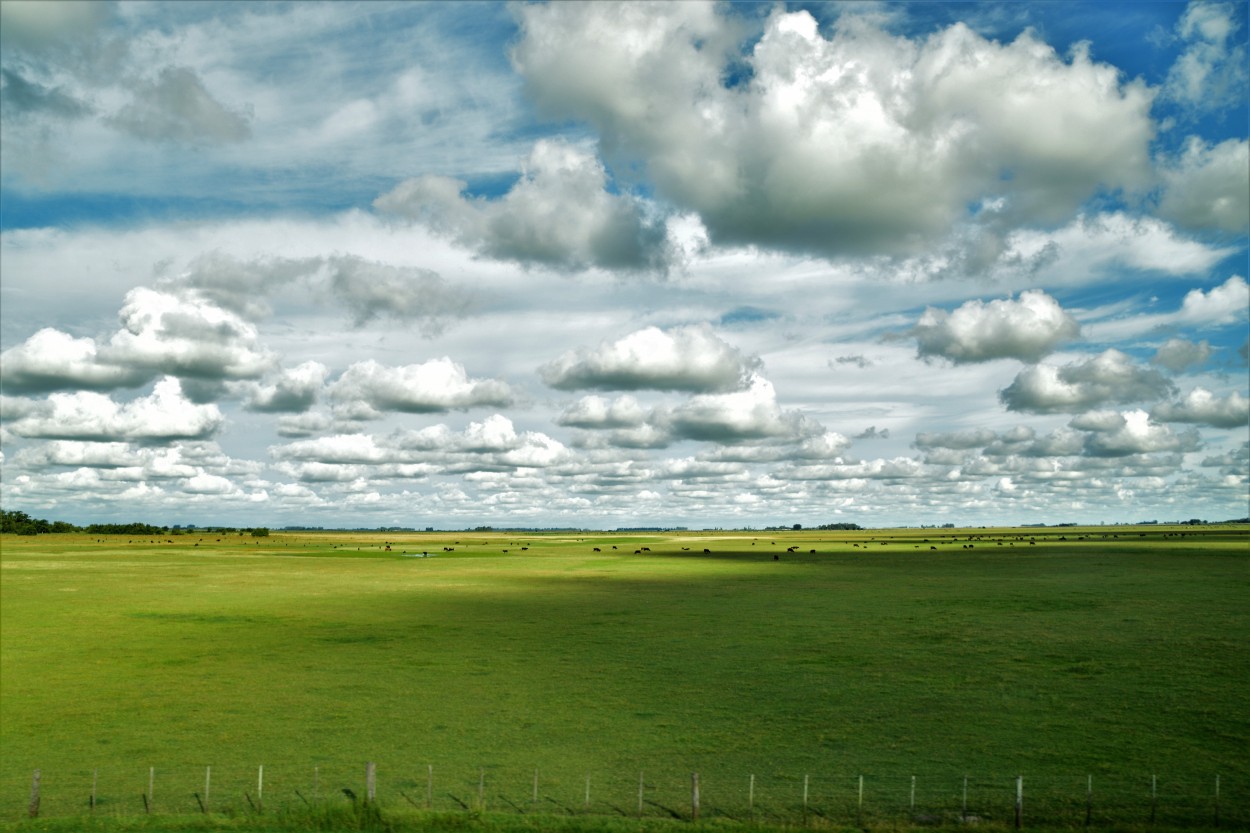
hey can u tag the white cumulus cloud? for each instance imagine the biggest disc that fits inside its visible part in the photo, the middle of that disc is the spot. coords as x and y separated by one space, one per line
1025 329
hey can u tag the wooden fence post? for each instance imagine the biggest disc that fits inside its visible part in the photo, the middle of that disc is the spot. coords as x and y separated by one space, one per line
481 788
429 787
260 788
151 796
33 809
694 796
805 780
588 792
859 807
751 794
963 815
1154 796
371 774
534 800
1019 801
95 780
641 784
208 780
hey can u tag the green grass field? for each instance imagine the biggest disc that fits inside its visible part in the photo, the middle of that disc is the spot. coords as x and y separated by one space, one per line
1117 653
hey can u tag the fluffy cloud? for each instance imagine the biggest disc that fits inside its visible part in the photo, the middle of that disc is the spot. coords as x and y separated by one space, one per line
1222 305
1208 187
52 360
492 444
435 386
560 213
738 416
859 142
597 412
164 416
1176 354
1133 433
1025 329
682 359
295 390
1203 407
1108 378
166 333
162 333
1211 73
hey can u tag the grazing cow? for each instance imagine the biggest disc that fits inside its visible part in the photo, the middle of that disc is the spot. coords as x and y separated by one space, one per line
776 557
596 549
707 552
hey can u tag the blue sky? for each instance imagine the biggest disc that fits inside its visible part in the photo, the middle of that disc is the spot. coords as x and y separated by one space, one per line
620 264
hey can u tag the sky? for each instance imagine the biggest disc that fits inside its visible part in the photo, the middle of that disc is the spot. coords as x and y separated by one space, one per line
624 264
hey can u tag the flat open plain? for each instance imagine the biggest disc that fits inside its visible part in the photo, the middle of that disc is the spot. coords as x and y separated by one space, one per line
1059 654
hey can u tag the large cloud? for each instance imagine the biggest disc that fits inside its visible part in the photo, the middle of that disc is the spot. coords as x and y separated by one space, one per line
162 333
1203 407
1208 187
1176 354
52 360
164 416
682 359
1109 378
559 213
294 391
738 416
1025 329
1132 432
368 388
859 142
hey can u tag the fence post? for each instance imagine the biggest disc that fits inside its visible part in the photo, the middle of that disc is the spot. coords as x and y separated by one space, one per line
260 788
694 796
371 781
588 792
963 814
1154 796
1217 800
33 810
859 809
481 788
751 794
913 793
151 796
95 779
1019 801
208 779
534 800
805 781
641 784
429 787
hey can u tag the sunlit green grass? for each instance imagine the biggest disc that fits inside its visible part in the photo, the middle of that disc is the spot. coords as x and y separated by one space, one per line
1119 657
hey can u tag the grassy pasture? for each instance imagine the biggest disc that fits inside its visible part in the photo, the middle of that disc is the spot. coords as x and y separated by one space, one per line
1116 652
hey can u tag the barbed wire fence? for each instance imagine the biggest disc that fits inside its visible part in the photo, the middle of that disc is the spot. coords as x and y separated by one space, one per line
1095 801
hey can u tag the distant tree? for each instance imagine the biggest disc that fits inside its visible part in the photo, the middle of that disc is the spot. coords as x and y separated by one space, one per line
260 532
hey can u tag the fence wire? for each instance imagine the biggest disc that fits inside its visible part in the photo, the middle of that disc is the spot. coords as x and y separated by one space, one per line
1097 801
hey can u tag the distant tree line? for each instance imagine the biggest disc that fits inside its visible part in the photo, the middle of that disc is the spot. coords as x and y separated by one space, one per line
19 523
